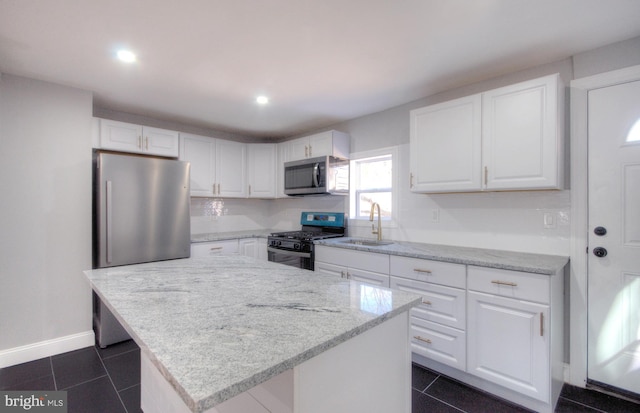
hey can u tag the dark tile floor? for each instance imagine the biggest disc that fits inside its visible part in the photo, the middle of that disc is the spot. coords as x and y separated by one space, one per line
108 380
96 380
435 393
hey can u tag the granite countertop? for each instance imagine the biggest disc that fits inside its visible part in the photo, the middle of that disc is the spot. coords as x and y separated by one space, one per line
516 261
221 236
218 326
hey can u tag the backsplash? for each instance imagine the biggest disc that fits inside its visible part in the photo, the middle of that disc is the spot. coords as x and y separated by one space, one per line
211 215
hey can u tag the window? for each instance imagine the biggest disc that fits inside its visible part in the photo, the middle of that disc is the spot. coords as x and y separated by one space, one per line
372 180
634 132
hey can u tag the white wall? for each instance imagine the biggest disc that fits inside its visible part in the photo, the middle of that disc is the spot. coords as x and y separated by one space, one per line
45 219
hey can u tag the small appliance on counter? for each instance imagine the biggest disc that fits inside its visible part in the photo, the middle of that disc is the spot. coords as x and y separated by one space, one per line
296 248
141 213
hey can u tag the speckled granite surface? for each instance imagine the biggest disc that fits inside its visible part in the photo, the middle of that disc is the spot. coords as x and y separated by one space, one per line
221 236
516 261
218 326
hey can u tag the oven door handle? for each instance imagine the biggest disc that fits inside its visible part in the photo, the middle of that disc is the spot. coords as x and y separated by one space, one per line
291 253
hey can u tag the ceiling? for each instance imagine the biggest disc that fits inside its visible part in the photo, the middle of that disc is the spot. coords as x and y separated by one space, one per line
203 62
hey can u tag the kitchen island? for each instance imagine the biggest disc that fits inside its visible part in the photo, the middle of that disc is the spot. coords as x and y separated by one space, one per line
231 333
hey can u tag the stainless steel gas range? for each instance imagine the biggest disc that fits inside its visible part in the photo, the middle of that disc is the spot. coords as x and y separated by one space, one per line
296 247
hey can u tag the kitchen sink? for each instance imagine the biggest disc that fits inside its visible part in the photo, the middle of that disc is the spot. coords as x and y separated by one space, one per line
367 242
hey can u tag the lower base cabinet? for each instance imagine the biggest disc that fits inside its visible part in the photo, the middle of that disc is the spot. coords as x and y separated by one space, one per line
508 343
498 330
206 249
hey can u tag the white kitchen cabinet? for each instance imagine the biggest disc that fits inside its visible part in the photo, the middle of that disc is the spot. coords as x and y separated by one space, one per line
521 135
283 156
253 247
445 141
437 325
509 138
127 137
261 170
231 170
361 266
200 151
514 332
354 274
329 143
218 167
205 249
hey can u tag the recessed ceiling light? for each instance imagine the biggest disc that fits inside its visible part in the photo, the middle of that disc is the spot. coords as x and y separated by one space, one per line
126 56
262 100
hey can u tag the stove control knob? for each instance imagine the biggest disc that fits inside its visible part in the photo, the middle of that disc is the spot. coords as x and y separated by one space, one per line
296 246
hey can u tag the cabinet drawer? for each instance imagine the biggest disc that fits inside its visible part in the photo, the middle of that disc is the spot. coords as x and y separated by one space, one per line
206 249
513 284
440 304
444 273
368 261
438 342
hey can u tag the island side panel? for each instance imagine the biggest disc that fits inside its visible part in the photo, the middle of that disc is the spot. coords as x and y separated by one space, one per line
369 373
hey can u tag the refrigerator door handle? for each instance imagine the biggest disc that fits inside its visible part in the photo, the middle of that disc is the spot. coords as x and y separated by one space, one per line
109 217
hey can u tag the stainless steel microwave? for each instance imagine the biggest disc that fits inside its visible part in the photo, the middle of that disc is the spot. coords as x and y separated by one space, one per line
317 176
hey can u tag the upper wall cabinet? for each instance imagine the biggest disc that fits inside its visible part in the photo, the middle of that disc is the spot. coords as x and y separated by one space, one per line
445 146
127 137
331 143
218 167
261 170
509 138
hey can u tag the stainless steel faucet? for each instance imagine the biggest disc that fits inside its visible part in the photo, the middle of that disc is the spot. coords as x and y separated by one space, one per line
373 231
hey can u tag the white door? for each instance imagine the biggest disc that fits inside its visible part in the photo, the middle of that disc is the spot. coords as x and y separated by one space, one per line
614 237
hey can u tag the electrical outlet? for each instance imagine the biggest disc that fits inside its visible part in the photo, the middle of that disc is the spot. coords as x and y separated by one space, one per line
549 220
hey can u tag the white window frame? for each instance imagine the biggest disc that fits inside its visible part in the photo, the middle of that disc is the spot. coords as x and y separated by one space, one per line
386 222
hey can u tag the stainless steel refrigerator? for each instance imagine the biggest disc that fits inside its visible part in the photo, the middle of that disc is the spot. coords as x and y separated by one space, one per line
141 214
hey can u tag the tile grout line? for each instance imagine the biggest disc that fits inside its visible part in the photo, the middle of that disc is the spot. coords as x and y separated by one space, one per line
53 374
595 409
111 380
447 403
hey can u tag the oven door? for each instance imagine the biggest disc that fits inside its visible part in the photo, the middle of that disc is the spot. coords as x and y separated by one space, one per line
297 259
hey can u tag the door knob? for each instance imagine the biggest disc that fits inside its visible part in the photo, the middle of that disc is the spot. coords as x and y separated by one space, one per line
600 252
600 231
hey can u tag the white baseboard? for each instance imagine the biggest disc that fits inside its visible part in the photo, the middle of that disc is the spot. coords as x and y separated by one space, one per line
35 351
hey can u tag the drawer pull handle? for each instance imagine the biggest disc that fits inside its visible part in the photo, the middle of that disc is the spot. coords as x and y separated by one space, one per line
510 284
216 248
426 302
422 271
426 340
541 324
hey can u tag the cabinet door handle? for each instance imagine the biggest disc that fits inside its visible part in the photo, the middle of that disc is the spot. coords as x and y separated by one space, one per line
348 275
411 180
510 284
249 189
426 302
486 176
146 143
306 151
140 142
541 324
422 271
218 189
310 151
426 340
